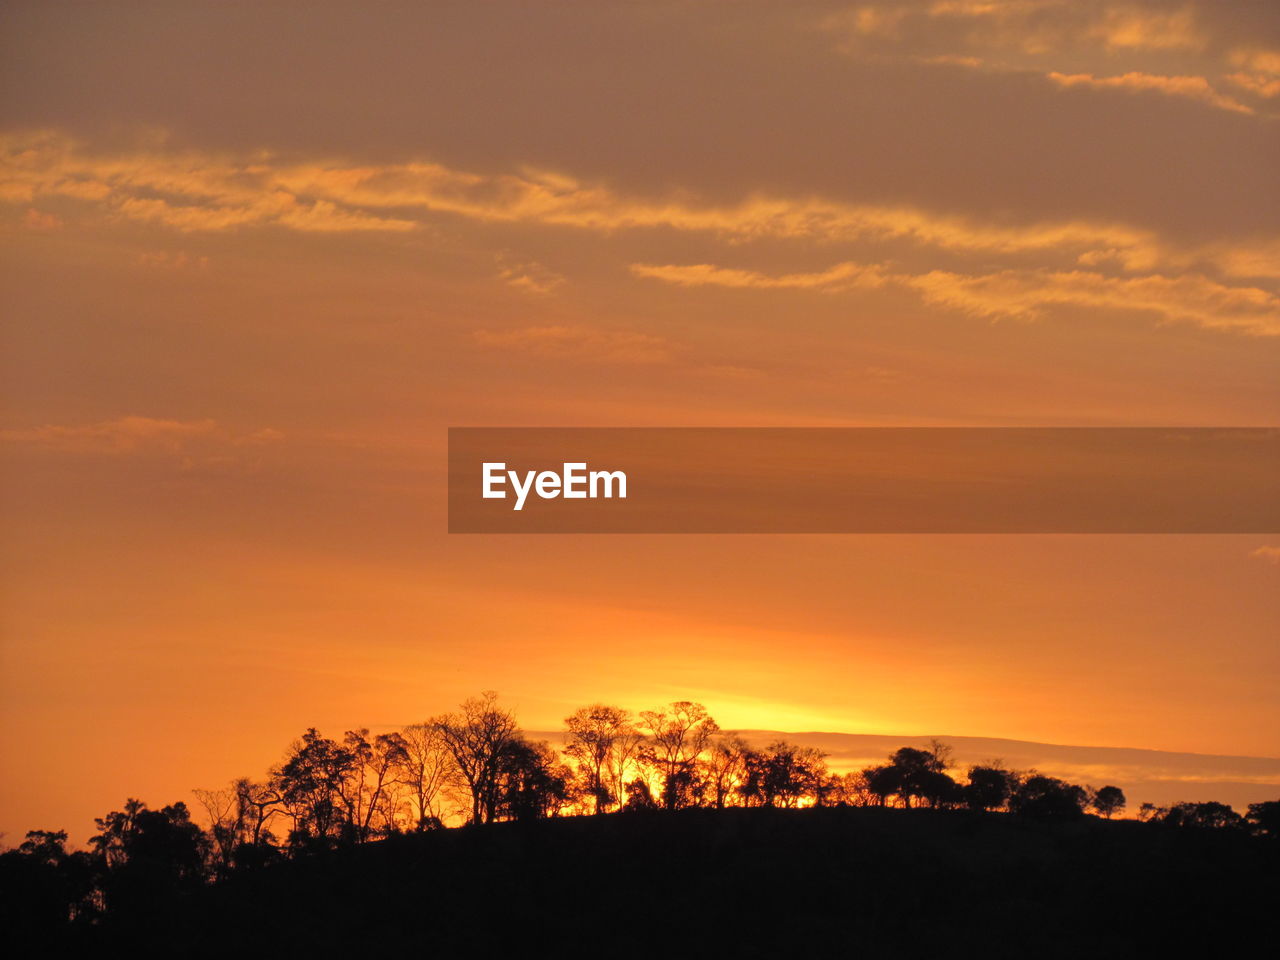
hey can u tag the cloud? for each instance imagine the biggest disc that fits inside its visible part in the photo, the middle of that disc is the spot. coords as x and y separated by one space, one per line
529 276
1024 294
1268 554
1029 26
1019 294
171 260
123 435
185 191
1192 88
41 222
1258 85
139 435
1261 71
581 343
1074 43
194 192
843 276
213 194
1133 28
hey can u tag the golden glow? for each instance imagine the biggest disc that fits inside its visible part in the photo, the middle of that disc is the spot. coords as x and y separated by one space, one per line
247 293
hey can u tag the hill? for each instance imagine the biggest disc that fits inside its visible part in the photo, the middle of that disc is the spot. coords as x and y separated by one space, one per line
737 883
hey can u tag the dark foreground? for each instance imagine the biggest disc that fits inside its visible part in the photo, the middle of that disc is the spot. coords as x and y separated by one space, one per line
737 883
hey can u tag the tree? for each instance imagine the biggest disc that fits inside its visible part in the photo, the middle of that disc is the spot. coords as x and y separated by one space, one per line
602 741
226 824
1108 801
639 796
315 787
678 736
478 738
1048 798
147 854
726 767
989 787
1209 815
376 764
881 782
425 770
915 773
258 803
532 783
850 790
1264 818
782 775
46 888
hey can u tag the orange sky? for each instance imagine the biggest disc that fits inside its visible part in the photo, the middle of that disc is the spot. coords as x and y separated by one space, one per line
258 257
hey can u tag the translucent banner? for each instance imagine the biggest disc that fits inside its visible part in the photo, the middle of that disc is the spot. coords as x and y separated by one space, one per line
864 480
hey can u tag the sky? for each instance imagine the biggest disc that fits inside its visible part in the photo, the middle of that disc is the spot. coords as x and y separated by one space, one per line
258 258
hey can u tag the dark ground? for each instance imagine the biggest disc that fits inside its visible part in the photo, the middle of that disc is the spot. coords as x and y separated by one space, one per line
740 883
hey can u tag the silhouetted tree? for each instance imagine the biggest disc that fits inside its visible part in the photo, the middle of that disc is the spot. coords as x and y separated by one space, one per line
882 782
44 888
678 735
989 787
425 768
603 742
1209 815
1048 798
226 825
375 765
913 773
1264 818
639 796
782 774
478 738
725 768
850 790
532 782
259 803
147 854
1108 801
315 788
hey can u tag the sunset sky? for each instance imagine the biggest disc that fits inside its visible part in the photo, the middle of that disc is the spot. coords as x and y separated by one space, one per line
258 257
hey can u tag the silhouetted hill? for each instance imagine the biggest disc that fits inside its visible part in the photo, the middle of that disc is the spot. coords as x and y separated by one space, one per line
739 883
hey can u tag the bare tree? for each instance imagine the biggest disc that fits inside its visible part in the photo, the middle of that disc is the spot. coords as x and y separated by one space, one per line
678 736
601 741
478 737
226 823
258 803
376 764
426 767
726 763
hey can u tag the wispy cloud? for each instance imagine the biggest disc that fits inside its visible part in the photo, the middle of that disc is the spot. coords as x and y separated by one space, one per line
131 435
581 343
1192 88
193 192
211 194
1268 554
1014 269
528 276
1068 41
1018 294
41 221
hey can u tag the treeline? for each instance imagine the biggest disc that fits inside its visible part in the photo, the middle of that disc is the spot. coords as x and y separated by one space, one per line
475 766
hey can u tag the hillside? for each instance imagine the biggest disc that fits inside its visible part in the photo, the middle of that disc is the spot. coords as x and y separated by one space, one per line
740 883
